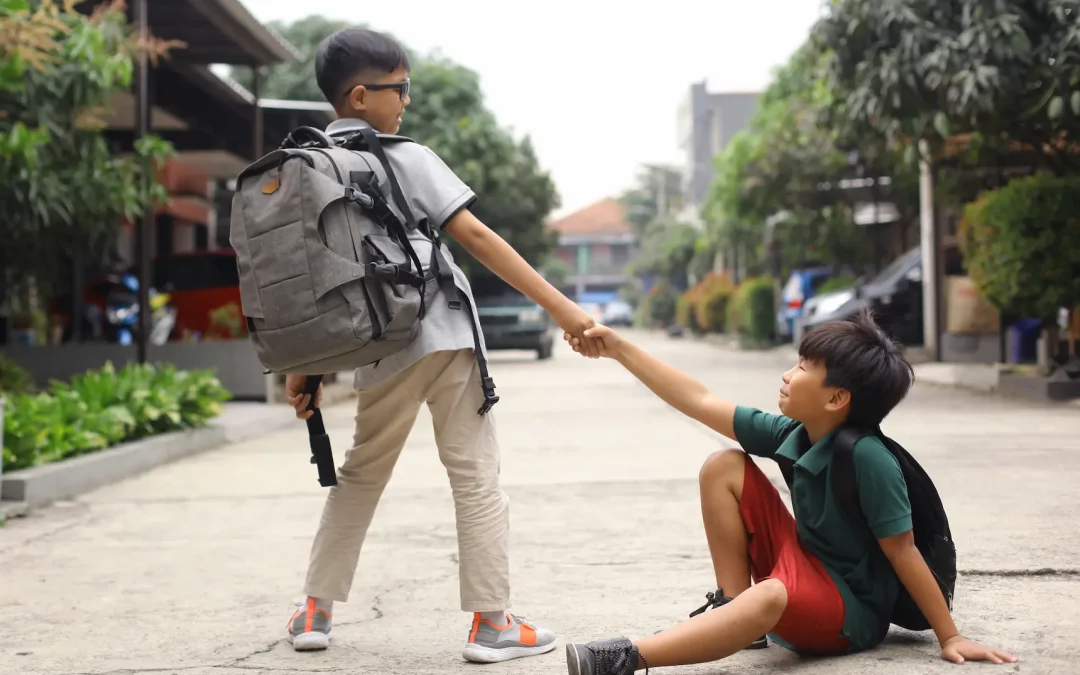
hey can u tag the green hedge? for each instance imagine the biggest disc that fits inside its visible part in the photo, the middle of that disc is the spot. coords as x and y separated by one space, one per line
13 379
752 313
102 408
1021 244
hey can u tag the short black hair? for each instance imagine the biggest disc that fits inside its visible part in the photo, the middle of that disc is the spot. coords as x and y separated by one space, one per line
860 357
351 51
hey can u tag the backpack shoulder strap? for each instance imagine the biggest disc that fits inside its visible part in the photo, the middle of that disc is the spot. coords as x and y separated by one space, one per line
844 484
787 469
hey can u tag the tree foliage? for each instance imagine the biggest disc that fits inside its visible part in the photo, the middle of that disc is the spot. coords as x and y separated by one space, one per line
782 176
62 192
448 114
1022 245
657 194
1007 71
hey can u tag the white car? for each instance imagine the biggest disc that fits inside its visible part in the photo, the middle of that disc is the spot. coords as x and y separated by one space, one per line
618 313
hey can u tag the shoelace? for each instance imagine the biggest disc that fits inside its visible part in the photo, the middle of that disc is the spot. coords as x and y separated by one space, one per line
522 620
713 602
614 659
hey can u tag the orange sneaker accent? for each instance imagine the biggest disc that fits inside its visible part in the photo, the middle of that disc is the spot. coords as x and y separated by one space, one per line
477 621
309 615
528 635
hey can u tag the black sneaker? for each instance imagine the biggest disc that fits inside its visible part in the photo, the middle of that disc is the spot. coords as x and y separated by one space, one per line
617 656
718 599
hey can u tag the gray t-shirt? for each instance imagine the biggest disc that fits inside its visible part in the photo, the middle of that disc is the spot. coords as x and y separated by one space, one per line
436 193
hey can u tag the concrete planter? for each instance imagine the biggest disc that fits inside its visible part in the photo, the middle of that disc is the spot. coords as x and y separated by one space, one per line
42 485
233 362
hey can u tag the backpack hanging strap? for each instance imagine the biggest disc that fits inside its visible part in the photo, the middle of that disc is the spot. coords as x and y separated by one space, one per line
440 266
322 456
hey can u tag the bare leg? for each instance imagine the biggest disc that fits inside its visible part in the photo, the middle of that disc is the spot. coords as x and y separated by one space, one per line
721 485
719 633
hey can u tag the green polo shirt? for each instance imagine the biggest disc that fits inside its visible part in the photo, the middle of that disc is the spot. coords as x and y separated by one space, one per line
852 556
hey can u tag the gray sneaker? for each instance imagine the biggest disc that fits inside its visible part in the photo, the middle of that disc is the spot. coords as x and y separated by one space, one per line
489 643
309 627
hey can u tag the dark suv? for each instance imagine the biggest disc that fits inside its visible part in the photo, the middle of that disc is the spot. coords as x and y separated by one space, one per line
510 320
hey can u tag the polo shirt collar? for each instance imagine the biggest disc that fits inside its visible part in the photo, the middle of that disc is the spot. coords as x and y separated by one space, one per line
345 125
815 458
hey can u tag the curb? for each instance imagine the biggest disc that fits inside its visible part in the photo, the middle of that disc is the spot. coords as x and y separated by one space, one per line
42 485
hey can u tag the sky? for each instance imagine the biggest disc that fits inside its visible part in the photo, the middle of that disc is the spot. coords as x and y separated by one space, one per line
596 84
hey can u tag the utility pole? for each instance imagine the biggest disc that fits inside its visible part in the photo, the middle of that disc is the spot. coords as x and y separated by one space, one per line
931 252
143 228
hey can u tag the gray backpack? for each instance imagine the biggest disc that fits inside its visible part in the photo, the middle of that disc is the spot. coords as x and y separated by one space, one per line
335 271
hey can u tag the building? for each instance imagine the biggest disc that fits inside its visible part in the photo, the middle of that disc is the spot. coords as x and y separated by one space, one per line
706 124
597 243
217 129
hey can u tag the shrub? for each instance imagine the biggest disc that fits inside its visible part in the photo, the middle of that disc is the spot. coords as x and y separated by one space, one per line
13 379
685 315
661 304
757 312
1021 245
101 408
711 309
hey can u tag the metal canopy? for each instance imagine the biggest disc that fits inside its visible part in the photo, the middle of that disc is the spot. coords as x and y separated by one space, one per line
216 31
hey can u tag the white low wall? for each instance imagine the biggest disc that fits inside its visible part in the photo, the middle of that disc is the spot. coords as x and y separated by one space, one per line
233 361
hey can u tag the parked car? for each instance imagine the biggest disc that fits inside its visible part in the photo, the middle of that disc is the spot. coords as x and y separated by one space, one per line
894 294
511 321
618 313
801 286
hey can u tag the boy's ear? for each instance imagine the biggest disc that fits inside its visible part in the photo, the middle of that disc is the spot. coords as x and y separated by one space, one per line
354 100
839 400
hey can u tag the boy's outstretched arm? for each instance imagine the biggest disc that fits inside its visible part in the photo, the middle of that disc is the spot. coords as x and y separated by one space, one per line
675 387
920 583
498 256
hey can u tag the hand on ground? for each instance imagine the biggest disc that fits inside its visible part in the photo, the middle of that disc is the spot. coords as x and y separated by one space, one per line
960 649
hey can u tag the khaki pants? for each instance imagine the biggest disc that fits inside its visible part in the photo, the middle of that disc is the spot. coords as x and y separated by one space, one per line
450 384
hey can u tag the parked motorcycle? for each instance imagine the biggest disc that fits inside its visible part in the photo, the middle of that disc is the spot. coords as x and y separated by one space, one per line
122 312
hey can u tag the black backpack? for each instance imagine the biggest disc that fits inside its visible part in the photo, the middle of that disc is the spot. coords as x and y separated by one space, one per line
933 537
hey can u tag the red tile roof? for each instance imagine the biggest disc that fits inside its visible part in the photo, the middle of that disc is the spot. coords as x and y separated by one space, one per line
604 217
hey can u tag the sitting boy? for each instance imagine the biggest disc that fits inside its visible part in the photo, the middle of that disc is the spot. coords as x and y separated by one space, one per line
820 586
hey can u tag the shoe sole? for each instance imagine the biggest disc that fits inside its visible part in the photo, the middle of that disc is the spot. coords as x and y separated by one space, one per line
573 661
481 654
309 642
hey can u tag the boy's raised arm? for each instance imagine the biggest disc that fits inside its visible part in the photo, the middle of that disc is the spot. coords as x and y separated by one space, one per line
675 387
497 255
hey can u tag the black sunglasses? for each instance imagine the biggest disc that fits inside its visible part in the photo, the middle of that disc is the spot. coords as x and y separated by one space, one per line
402 88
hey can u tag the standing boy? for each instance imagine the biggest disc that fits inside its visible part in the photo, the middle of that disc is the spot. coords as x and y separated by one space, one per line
364 75
821 586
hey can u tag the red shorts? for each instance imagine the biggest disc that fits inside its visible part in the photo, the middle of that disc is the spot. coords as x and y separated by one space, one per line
814 617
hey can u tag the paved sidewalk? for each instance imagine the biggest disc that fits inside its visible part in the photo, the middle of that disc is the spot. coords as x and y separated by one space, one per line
192 568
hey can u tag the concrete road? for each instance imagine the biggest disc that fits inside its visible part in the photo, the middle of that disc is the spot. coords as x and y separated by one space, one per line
193 568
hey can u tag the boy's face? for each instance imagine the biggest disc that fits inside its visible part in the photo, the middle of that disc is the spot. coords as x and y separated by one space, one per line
380 101
804 396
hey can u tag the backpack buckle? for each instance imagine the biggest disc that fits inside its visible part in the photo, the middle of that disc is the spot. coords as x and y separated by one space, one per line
358 197
490 398
489 401
383 272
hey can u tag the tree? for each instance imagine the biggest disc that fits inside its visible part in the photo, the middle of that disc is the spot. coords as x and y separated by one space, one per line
1007 72
657 194
448 114
786 170
62 193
